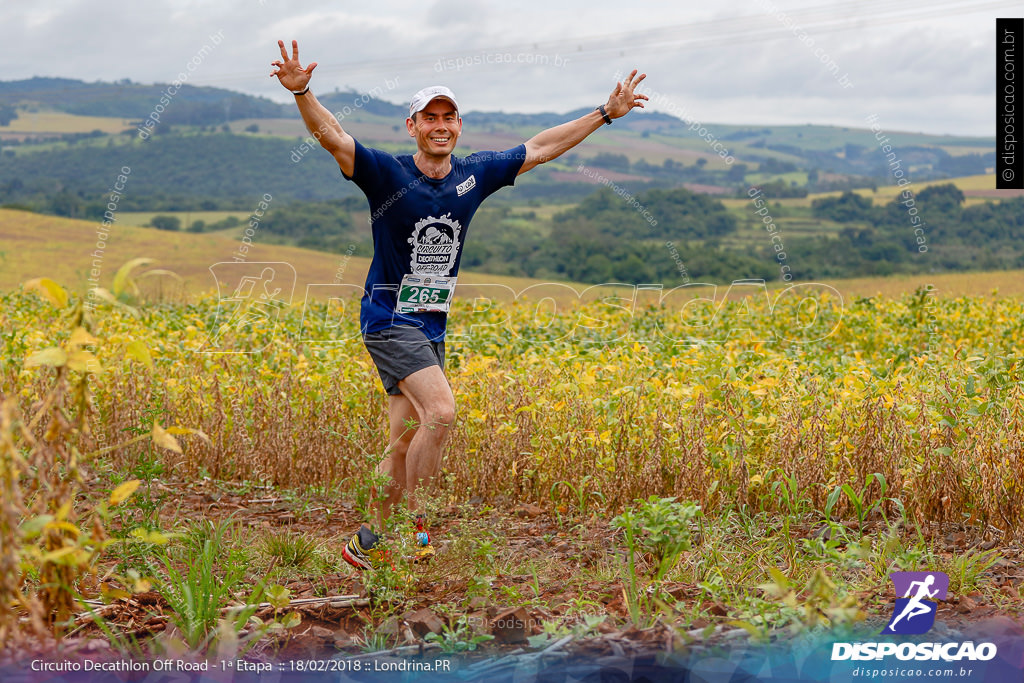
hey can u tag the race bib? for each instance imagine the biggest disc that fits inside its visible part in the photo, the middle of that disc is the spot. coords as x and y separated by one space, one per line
421 293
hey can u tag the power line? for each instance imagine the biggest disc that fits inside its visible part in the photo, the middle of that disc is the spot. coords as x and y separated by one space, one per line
694 35
814 20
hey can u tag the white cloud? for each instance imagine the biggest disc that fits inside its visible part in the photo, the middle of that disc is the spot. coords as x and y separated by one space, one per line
734 61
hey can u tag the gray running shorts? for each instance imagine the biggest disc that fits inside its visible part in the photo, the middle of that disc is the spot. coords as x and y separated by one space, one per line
400 351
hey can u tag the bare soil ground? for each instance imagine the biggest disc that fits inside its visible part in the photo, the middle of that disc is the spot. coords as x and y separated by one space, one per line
576 577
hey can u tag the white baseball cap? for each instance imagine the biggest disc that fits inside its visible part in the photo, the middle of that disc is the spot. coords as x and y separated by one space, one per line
424 97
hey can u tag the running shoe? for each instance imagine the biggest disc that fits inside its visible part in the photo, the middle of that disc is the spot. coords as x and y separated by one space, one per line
361 551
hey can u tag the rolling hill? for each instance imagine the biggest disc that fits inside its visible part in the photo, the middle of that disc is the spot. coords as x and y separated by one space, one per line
653 136
66 250
65 143
63 248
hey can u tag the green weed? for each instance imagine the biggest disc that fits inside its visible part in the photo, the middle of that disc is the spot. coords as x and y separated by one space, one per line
199 593
862 505
290 550
660 526
966 570
459 637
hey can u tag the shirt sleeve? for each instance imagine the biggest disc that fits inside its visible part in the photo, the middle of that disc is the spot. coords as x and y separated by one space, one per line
501 167
371 170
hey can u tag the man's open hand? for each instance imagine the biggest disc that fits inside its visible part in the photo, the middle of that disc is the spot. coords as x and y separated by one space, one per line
289 72
622 99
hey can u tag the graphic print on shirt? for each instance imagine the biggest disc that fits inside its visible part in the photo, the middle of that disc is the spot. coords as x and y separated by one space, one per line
435 245
464 187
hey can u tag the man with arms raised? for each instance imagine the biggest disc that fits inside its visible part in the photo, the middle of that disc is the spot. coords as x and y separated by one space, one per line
421 206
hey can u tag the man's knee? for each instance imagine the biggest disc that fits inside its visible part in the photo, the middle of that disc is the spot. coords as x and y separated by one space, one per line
440 416
399 448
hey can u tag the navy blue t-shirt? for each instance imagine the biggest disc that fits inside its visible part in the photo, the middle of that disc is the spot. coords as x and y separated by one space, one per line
419 224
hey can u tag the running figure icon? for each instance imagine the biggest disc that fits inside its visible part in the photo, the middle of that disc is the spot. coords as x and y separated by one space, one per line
914 613
915 607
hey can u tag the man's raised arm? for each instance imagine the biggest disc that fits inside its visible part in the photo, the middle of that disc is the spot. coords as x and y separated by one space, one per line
320 122
553 142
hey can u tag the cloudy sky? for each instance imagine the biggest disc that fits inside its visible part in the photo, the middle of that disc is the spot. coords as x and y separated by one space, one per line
919 65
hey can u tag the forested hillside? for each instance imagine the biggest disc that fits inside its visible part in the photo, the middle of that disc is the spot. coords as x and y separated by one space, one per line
642 201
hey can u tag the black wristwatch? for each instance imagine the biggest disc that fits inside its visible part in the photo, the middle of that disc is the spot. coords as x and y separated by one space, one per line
604 114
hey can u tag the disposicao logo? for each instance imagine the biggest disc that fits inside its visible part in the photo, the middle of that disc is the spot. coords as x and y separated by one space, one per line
914 614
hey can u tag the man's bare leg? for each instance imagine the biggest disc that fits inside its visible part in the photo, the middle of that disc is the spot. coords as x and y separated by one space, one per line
401 414
434 404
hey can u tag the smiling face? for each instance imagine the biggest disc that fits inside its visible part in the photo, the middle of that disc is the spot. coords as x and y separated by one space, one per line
437 128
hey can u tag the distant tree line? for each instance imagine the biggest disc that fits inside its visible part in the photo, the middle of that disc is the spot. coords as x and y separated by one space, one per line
169 173
7 114
664 236
927 231
605 237
189 105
